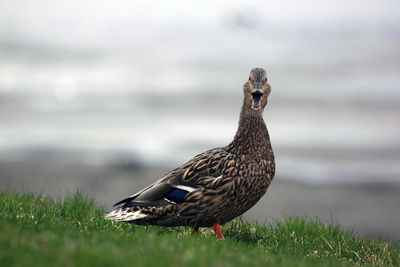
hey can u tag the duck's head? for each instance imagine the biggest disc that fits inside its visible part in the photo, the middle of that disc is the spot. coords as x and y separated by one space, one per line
256 90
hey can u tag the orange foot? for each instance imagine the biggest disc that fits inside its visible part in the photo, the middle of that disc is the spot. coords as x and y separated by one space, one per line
218 230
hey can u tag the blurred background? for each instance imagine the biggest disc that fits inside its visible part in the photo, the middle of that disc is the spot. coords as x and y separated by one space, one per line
108 96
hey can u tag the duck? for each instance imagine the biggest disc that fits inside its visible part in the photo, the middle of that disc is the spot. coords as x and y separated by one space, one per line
217 185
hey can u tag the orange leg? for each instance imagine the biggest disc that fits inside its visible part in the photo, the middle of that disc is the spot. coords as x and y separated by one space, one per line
196 229
218 230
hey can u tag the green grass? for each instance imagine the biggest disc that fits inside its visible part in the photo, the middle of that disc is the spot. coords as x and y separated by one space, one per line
36 230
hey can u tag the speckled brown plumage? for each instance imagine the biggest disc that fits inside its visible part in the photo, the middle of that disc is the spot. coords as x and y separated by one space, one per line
218 185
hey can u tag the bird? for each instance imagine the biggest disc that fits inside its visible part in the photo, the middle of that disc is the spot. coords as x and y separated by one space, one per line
215 186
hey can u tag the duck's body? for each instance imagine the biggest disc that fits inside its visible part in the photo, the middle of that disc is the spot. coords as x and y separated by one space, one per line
217 185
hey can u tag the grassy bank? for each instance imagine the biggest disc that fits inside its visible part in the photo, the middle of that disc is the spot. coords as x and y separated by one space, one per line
36 230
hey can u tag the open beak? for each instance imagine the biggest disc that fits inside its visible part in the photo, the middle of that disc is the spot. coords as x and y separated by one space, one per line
256 98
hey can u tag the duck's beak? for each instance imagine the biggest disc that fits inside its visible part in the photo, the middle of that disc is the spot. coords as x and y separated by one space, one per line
257 86
256 99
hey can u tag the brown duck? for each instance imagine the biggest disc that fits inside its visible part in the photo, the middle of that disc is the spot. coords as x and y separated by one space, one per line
215 186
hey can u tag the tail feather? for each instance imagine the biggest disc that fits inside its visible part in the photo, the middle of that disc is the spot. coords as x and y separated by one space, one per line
122 214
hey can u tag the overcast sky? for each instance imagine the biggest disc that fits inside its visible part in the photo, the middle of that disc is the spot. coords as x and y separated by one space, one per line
275 10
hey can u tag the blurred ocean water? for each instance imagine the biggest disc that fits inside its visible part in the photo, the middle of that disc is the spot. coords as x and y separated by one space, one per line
159 90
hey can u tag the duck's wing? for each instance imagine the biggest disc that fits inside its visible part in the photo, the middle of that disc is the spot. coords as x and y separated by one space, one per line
203 170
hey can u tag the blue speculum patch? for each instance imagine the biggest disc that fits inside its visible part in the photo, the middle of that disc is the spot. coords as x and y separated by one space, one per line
177 195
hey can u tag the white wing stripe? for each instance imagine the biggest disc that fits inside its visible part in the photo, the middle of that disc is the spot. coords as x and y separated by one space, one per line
184 187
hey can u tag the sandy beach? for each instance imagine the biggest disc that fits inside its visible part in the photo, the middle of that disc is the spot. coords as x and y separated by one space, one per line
367 208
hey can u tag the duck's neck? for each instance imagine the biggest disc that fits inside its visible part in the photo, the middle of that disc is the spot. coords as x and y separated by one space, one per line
252 136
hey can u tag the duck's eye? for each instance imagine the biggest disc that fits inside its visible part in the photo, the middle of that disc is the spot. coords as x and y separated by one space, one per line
250 79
